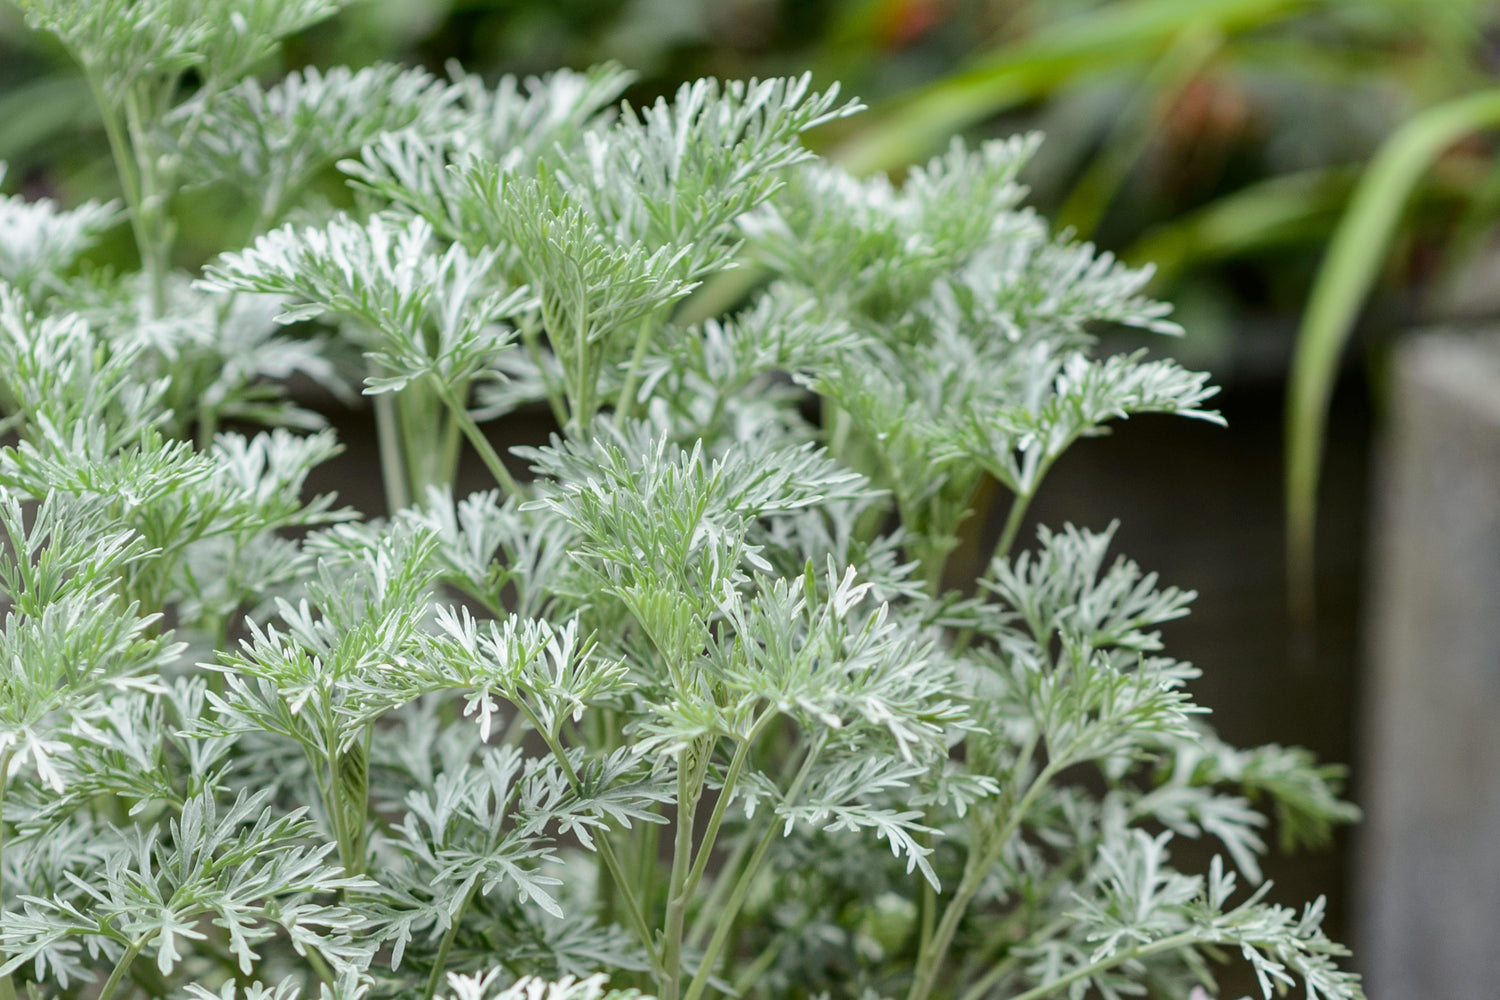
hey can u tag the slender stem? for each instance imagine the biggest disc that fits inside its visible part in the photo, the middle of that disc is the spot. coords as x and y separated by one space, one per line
997 972
605 892
1171 943
605 850
929 903
722 884
441 959
392 468
1006 965
320 966
689 790
487 453
156 251
587 378
208 427
725 879
726 918
979 864
430 435
750 974
125 167
726 792
415 450
928 552
121 967
347 799
1013 521
932 555
556 396
625 402
647 844
632 904
452 440
685 882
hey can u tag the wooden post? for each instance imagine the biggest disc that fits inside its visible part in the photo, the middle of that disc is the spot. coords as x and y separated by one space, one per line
1429 857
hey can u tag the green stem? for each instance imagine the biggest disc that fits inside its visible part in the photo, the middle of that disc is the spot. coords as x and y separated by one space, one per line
441 959
156 251
1013 521
556 395
625 402
1171 943
392 468
725 922
125 167
587 380
208 426
726 918
605 851
121 967
722 884
415 450
647 844
452 440
689 790
320 966
725 879
932 558
1004 966
980 862
348 800
711 832
429 437
487 453
928 911
997 972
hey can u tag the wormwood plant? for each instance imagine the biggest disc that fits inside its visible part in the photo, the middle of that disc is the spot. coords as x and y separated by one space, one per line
705 706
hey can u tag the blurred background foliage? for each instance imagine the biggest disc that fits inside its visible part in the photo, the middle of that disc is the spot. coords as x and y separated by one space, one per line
1219 139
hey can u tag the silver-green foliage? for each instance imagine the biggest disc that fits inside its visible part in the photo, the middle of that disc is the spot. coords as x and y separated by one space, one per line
702 708
39 242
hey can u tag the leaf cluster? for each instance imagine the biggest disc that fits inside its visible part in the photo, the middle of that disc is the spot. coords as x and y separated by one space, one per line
703 705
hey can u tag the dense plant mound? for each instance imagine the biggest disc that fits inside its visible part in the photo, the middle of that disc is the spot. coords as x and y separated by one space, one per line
707 706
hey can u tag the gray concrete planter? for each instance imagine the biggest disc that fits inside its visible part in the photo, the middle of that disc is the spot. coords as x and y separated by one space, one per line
1429 856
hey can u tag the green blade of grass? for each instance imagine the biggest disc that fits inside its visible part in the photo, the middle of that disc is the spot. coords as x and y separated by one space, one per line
1123 34
1356 252
1278 211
